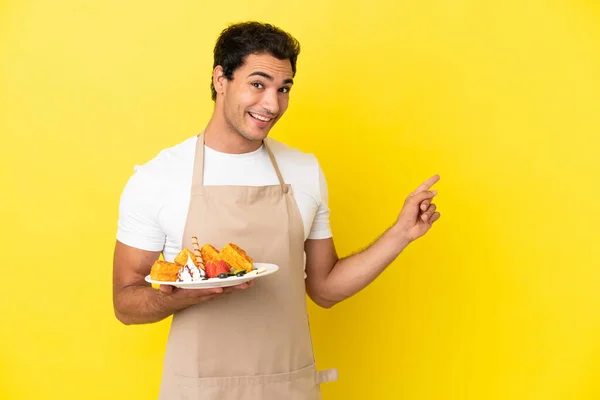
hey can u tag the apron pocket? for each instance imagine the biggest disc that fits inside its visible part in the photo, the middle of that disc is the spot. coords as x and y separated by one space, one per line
301 384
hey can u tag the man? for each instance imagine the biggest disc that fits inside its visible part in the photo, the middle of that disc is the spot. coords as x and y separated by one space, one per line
232 183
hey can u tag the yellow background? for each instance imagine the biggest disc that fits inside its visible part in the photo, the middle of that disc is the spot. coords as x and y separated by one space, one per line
500 301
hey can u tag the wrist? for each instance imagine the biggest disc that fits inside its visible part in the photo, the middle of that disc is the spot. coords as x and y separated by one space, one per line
169 303
399 237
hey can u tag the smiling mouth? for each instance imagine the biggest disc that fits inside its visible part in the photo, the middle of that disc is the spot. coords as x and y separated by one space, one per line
260 117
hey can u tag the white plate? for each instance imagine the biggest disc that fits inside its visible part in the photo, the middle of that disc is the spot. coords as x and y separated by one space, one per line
221 282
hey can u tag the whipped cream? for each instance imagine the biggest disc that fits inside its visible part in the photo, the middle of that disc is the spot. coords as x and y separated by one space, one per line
189 272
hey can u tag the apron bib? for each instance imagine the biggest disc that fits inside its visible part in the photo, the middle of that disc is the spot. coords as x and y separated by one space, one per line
253 344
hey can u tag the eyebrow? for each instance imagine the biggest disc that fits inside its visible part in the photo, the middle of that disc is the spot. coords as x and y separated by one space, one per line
269 77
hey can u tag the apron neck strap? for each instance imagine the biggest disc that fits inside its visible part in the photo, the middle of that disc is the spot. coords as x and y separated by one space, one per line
198 176
277 171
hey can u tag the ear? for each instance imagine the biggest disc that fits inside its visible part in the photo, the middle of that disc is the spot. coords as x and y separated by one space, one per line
219 80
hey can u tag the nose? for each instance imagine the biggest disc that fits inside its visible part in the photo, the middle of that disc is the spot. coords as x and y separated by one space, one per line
270 102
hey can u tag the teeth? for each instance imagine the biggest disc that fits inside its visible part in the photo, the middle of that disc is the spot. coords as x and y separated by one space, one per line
261 118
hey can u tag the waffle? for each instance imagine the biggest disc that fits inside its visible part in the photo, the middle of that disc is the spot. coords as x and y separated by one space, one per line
182 257
236 257
164 271
209 253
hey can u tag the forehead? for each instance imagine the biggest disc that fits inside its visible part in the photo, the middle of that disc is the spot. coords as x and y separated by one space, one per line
279 69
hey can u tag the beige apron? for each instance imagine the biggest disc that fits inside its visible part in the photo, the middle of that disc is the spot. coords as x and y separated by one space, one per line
252 344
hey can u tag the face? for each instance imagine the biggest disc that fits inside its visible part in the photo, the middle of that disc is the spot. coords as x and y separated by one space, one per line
257 96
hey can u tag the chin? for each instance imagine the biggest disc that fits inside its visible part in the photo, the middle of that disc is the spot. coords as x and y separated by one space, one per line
254 135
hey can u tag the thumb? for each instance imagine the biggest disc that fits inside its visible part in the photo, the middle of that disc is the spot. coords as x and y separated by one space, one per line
417 198
166 288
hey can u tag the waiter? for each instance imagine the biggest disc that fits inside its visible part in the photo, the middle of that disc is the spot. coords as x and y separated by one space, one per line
231 183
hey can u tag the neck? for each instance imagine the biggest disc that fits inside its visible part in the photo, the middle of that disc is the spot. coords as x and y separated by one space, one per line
220 136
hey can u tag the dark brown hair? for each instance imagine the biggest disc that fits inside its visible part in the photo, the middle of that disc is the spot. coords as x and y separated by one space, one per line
239 40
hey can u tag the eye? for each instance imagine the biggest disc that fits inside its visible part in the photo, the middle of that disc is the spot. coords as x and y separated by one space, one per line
257 85
285 89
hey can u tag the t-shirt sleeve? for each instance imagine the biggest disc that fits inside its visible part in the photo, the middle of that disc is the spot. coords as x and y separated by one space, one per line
320 227
139 209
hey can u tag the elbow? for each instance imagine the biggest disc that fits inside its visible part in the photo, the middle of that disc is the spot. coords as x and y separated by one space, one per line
122 317
120 310
321 296
326 304
323 301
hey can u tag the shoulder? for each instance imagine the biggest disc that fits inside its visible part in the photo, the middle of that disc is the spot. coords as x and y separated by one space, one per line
170 161
168 167
288 156
299 168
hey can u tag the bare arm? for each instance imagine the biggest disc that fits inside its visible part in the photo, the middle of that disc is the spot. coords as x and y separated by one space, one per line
136 302
331 280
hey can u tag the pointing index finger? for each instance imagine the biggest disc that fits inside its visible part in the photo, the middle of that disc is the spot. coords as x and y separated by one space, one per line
427 184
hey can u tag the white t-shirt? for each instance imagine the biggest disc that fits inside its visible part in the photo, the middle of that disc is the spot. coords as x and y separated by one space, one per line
154 203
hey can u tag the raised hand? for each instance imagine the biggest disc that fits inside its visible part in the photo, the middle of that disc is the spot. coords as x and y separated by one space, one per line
418 213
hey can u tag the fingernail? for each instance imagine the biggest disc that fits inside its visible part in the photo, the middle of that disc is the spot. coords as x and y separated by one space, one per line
434 192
